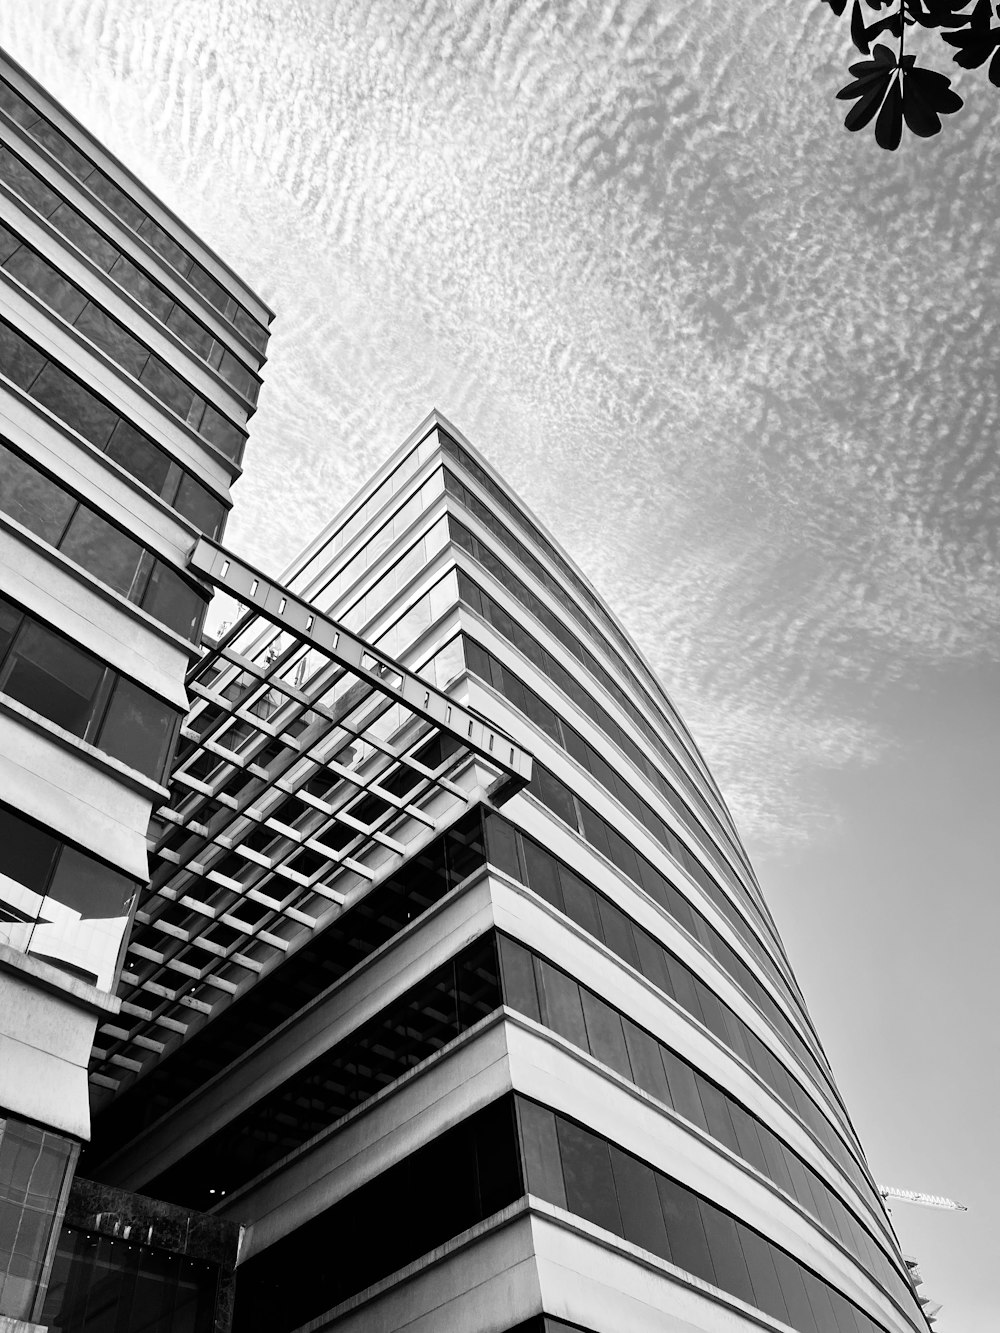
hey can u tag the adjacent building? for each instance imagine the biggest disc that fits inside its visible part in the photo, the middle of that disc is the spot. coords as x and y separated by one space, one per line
489 1042
129 367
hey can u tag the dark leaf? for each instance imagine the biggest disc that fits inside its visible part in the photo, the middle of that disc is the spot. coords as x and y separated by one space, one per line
884 55
866 106
889 126
974 48
856 88
859 33
921 119
935 89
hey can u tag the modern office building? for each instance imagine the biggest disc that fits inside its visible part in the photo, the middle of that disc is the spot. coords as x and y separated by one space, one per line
453 985
129 366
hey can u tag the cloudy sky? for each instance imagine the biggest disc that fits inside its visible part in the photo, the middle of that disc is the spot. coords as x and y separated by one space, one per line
741 363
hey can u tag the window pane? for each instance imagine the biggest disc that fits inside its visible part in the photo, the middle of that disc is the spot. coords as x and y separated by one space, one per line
117 200
519 979
727 1253
501 842
652 961
775 1154
683 1088
139 456
61 149
104 551
75 405
747 1137
227 437
763 1278
819 1299
85 237
164 245
113 339
10 620
138 728
18 359
161 381
28 851
32 499
149 294
580 902
47 284
639 1201
542 1168
793 1292
542 874
590 1187
647 1067
617 931
685 1230
561 1007
32 189
604 1028
716 1106
195 335
49 674
200 506
173 601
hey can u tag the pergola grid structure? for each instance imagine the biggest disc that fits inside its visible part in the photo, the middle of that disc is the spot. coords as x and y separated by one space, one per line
306 757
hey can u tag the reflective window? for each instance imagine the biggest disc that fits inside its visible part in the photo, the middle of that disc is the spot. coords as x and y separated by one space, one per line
85 413
120 344
34 500
616 1191
660 1071
33 1167
107 257
65 683
60 904
105 551
136 218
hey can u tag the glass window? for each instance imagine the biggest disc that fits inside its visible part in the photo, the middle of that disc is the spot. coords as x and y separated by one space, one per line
727 1253
775 1154
763 1278
172 600
189 330
138 728
117 200
647 1067
28 851
139 457
32 189
32 499
15 106
819 1299
105 551
167 386
639 1201
617 931
75 405
18 359
519 979
50 675
685 1229
683 1088
543 878
682 985
793 1291
149 294
748 1139
62 150
580 902
604 1028
590 1187
716 1106
86 238
653 961
501 842
33 1167
112 338
47 284
561 1005
164 245
197 504
552 793
8 243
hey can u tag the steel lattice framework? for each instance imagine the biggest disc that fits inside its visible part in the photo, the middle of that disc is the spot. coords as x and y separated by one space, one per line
309 767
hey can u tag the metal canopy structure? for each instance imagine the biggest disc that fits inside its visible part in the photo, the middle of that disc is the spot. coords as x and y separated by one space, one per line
309 767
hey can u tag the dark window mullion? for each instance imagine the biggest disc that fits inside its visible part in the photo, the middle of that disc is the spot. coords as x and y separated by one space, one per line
102 703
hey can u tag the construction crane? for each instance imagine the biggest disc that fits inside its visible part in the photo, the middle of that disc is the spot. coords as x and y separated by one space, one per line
917 1196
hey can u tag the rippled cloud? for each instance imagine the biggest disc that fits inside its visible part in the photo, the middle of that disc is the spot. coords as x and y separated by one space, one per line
740 364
